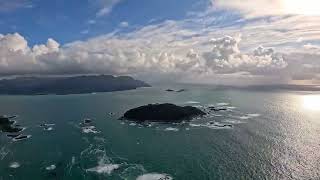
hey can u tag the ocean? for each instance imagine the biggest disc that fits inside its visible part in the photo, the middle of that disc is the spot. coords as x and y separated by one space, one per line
260 135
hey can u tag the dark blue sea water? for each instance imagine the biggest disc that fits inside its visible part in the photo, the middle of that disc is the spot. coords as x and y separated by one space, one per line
273 135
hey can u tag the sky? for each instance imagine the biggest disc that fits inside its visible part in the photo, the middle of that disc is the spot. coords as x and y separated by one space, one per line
236 42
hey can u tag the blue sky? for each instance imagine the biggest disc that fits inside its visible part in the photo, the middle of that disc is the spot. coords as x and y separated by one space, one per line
71 20
199 41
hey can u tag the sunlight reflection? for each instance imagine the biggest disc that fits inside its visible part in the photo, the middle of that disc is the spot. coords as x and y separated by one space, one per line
311 102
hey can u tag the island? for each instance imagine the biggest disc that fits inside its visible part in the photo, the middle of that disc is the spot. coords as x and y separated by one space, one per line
162 113
6 125
68 85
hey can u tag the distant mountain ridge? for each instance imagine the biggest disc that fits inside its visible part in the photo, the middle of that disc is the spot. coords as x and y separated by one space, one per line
68 85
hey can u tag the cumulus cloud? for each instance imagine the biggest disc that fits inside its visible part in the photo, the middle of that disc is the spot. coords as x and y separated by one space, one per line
174 51
114 55
226 57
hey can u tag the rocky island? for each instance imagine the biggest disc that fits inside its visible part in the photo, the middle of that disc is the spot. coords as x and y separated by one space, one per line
68 85
6 125
162 113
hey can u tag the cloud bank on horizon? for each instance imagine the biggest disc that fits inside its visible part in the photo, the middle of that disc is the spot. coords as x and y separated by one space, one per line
210 47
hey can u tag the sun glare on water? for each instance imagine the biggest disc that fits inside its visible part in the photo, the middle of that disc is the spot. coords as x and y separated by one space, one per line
311 102
303 7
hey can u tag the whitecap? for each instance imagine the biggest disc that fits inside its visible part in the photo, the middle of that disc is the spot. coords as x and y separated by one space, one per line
194 125
132 171
187 129
253 115
132 124
104 168
192 102
244 117
217 125
19 138
90 129
222 104
231 107
48 128
51 167
14 165
197 106
171 129
232 121
217 115
154 176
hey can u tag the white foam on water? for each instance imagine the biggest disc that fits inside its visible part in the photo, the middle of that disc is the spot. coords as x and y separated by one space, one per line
15 139
14 165
90 129
217 125
3 152
192 102
104 168
187 129
51 167
231 107
222 104
171 129
194 125
244 117
217 115
232 121
213 125
122 123
253 115
154 176
71 164
48 129
73 160
197 106
132 124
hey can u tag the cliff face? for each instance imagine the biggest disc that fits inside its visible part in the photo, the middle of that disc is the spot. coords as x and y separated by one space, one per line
68 85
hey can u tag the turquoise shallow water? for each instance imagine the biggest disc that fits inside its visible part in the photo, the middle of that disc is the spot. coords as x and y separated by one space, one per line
274 135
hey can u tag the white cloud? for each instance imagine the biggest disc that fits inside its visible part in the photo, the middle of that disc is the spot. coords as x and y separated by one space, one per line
175 50
254 8
312 48
124 24
91 21
136 56
107 7
86 31
226 57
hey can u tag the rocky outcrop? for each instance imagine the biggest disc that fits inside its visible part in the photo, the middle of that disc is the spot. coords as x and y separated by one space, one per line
162 113
6 125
